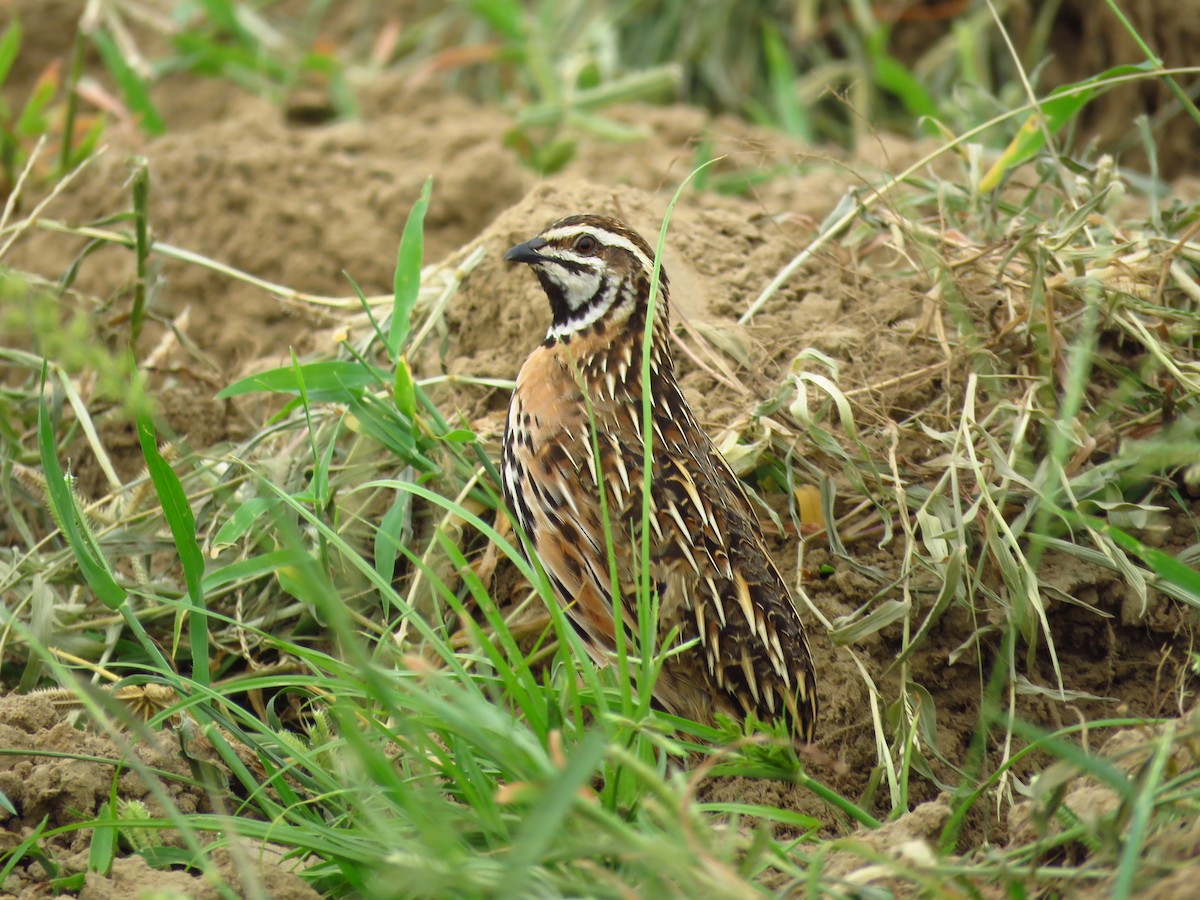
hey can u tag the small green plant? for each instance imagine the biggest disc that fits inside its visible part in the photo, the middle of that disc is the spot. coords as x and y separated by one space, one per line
69 336
46 123
556 61
234 41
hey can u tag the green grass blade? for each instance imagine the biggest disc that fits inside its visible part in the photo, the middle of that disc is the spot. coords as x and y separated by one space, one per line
1090 763
1143 811
781 78
70 517
404 390
647 613
388 536
133 87
318 493
224 15
243 518
66 156
331 380
545 820
896 78
141 219
761 811
1055 111
103 847
28 846
182 523
505 16
407 282
10 44
34 120
1164 565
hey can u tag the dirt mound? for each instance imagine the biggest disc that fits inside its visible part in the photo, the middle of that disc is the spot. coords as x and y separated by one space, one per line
294 206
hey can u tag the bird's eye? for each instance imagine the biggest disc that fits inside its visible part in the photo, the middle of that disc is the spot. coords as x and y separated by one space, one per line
586 244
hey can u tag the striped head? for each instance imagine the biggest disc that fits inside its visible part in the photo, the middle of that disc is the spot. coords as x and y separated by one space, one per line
593 269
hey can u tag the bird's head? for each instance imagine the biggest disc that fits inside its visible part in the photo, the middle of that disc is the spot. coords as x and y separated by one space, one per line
592 268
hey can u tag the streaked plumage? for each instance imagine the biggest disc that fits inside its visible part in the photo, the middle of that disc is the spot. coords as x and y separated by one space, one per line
715 579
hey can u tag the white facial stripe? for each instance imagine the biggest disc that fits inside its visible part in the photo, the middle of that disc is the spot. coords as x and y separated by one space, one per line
602 236
576 264
577 287
590 315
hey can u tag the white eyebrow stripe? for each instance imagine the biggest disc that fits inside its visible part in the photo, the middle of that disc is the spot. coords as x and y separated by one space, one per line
604 236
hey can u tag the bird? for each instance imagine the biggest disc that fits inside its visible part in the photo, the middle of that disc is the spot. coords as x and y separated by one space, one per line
573 456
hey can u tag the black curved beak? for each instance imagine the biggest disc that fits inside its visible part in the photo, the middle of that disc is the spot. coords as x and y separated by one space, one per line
526 252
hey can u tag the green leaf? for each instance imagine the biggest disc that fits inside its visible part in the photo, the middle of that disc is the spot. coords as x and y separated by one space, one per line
1062 105
29 847
322 460
68 884
1146 799
244 66
141 220
70 517
551 157
761 811
86 145
1165 566
335 380
10 44
407 283
241 521
1098 767
168 857
182 523
781 78
247 569
895 78
504 16
103 848
951 577
404 391
32 122
134 89
548 816
387 536
387 426
224 16
850 630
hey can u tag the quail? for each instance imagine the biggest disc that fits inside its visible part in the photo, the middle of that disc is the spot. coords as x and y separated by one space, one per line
575 430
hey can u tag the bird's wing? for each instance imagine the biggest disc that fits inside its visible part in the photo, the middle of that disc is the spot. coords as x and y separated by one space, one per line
718 583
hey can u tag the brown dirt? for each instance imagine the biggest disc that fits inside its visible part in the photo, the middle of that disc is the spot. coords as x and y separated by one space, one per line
52 782
298 206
